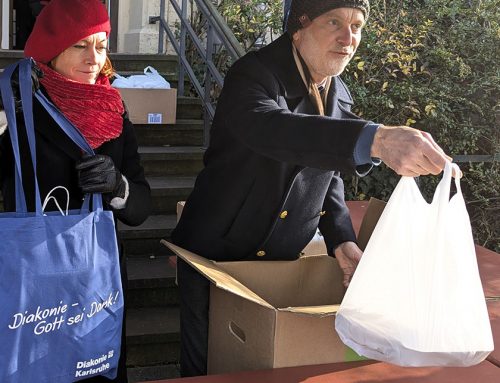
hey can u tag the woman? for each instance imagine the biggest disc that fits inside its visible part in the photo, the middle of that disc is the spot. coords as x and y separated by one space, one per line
69 45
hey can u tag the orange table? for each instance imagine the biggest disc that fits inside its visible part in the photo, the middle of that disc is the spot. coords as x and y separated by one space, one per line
489 269
356 372
494 311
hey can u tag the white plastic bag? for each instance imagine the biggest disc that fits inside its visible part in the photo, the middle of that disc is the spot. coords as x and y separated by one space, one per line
416 297
150 79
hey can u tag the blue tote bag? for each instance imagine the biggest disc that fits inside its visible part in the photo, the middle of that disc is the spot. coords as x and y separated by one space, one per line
61 300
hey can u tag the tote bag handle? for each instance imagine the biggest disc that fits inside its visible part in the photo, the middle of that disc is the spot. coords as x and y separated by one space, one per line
74 134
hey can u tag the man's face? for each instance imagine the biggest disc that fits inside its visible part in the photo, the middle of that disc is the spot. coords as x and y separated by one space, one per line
330 41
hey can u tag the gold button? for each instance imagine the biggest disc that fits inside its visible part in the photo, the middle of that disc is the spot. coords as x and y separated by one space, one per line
283 214
322 213
261 253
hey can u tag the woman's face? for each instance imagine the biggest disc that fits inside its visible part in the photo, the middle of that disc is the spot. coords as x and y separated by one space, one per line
83 61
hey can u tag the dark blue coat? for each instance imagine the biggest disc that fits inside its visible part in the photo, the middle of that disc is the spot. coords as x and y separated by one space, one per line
271 169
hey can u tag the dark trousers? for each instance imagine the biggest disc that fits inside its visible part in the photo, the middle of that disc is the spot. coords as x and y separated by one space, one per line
194 290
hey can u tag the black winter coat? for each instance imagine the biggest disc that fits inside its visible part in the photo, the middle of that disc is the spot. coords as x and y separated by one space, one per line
56 158
271 169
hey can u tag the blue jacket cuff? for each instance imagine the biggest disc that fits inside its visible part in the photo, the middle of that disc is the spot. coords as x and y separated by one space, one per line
363 145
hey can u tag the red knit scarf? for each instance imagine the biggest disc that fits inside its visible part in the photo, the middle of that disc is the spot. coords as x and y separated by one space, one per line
94 109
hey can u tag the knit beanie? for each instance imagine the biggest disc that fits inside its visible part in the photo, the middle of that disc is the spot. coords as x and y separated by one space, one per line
303 12
63 23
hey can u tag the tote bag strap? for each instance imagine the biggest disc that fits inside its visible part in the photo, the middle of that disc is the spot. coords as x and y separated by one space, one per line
8 101
74 134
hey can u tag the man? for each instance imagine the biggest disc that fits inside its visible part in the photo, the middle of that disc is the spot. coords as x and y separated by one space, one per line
282 132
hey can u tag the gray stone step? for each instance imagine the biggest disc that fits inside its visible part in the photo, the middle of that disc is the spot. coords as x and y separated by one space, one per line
144 240
189 108
171 160
126 62
152 336
146 374
135 62
151 282
182 133
167 191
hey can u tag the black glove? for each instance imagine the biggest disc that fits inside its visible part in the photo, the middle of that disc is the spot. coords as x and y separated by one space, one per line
97 174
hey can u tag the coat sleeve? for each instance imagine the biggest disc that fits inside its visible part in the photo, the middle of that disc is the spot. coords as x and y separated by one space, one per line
335 225
138 205
255 114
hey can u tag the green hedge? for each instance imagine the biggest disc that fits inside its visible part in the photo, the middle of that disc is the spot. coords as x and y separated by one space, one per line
434 65
430 64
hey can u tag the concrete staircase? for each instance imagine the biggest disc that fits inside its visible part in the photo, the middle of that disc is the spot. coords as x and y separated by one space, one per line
172 156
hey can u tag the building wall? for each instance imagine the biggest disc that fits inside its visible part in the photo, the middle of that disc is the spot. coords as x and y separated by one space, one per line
4 17
135 34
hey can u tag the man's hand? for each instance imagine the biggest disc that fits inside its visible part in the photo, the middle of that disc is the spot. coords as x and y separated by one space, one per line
407 151
348 255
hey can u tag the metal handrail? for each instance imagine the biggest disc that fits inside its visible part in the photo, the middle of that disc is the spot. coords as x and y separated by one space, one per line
217 28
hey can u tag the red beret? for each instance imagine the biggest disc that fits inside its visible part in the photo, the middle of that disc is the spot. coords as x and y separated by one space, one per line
63 23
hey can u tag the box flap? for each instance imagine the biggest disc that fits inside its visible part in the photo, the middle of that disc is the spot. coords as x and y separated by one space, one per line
320 311
370 219
216 275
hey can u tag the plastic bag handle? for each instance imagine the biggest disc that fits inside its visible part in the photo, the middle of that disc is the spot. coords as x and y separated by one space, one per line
442 193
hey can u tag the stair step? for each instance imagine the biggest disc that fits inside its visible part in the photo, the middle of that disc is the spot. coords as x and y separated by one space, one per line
167 191
189 108
182 133
171 160
146 374
8 57
152 336
151 282
144 240
133 62
137 62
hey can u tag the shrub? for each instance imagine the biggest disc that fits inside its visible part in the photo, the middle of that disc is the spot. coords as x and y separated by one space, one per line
433 65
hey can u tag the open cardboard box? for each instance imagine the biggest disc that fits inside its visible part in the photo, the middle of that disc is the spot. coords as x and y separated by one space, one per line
270 314
150 106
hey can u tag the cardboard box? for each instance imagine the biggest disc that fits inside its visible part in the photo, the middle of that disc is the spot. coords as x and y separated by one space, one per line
373 212
272 314
150 106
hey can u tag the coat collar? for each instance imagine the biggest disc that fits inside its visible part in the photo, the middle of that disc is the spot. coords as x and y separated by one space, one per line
278 56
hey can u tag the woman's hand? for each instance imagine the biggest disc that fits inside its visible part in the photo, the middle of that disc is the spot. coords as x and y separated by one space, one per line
97 174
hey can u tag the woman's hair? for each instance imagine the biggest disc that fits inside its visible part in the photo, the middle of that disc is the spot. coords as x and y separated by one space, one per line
107 69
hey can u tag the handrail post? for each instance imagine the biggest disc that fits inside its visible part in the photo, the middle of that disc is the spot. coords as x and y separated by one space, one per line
161 33
208 84
182 44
